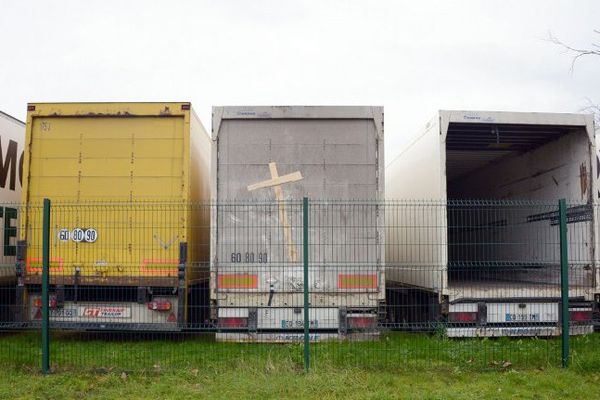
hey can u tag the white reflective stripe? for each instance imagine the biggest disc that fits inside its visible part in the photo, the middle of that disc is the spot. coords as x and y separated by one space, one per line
233 312
463 307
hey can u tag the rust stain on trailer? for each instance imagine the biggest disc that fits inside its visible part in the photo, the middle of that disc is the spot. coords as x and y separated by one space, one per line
94 114
583 181
118 114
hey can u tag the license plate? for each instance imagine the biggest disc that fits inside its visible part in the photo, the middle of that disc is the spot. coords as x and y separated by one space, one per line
522 317
63 313
291 324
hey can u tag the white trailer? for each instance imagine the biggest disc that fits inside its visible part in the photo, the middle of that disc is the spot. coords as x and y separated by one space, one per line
488 268
265 160
12 137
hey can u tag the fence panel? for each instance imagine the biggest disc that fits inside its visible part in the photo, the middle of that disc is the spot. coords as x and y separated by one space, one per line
153 286
477 271
20 337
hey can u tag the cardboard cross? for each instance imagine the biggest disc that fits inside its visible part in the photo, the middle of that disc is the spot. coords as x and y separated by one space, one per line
275 182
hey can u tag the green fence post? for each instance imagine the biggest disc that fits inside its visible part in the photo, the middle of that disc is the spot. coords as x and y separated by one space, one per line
564 281
45 282
306 297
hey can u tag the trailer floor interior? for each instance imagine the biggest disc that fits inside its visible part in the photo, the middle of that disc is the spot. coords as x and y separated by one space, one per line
502 285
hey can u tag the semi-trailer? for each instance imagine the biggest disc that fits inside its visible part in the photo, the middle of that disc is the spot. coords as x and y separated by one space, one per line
12 137
265 160
475 245
129 233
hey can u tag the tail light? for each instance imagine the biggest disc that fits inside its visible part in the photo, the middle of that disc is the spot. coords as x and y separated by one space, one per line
580 315
233 322
52 303
159 305
362 322
172 318
462 317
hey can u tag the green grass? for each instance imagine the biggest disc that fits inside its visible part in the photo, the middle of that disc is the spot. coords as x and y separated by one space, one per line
269 381
396 366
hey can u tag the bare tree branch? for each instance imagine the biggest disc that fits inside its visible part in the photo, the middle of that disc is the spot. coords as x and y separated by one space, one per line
577 52
591 107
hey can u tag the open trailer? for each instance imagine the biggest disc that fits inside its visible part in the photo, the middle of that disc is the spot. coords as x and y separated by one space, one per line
482 254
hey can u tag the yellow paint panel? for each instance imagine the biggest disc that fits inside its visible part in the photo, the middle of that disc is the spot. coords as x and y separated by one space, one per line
93 188
105 149
76 155
155 187
95 167
131 241
158 148
104 154
60 128
51 148
54 188
158 167
54 167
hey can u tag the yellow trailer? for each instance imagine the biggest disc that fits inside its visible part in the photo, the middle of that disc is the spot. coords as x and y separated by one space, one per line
129 234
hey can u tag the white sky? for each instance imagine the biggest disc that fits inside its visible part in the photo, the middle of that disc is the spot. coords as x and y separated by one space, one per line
413 57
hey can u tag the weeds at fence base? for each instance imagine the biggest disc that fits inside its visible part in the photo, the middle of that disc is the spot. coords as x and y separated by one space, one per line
262 381
149 354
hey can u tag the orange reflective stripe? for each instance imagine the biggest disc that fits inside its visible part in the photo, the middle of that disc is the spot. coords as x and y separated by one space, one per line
357 281
238 281
30 260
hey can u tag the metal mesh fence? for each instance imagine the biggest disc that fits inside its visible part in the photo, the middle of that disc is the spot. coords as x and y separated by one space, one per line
474 284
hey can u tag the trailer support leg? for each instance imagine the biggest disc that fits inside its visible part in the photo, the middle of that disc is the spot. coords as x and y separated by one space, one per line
564 281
